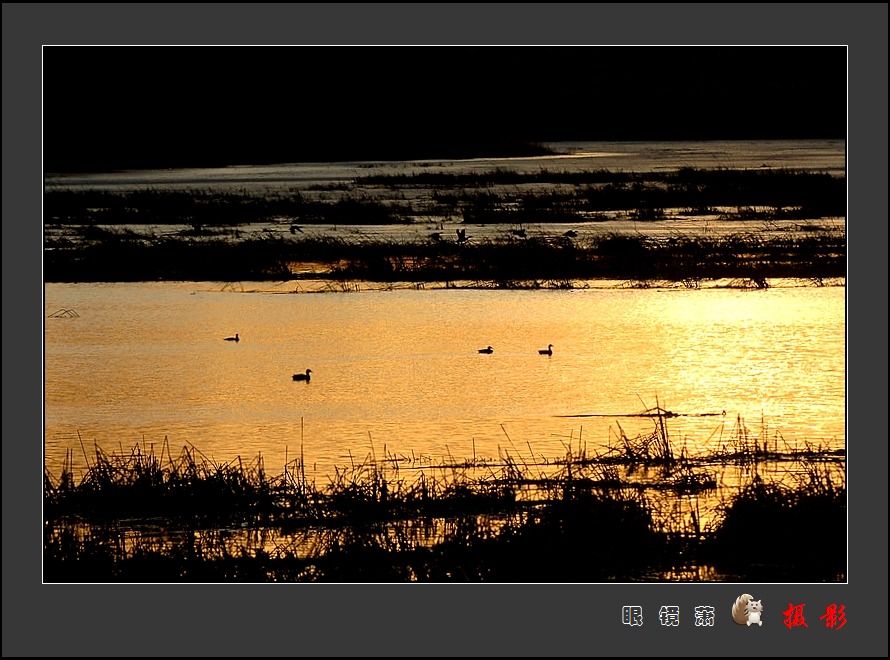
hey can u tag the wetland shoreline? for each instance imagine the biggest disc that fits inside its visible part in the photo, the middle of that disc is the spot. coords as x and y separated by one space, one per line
500 227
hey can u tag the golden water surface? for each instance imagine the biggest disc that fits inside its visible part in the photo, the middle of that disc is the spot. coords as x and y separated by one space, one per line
399 371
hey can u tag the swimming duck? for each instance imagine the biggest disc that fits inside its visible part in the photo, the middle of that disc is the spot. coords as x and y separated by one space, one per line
303 376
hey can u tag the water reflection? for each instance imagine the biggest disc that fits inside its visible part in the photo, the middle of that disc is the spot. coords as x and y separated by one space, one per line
401 368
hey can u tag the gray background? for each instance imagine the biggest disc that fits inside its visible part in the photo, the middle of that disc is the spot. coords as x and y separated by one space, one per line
433 620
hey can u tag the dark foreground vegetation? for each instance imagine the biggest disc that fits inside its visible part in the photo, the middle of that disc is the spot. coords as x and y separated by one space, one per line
147 517
94 235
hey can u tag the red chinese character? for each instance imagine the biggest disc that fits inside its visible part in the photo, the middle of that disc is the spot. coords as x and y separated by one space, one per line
834 617
794 616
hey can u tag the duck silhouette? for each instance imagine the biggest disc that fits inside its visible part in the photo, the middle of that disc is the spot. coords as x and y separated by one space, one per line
235 338
488 350
304 377
546 351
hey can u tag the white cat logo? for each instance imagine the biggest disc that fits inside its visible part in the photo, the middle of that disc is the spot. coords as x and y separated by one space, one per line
746 610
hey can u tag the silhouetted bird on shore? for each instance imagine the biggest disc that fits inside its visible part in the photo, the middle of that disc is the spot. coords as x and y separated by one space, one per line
235 338
462 236
488 350
546 351
303 376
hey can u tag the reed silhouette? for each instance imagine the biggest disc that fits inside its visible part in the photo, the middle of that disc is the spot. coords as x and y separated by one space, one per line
581 517
104 255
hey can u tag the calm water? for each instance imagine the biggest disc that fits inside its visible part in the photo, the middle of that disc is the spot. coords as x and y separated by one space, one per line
400 369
